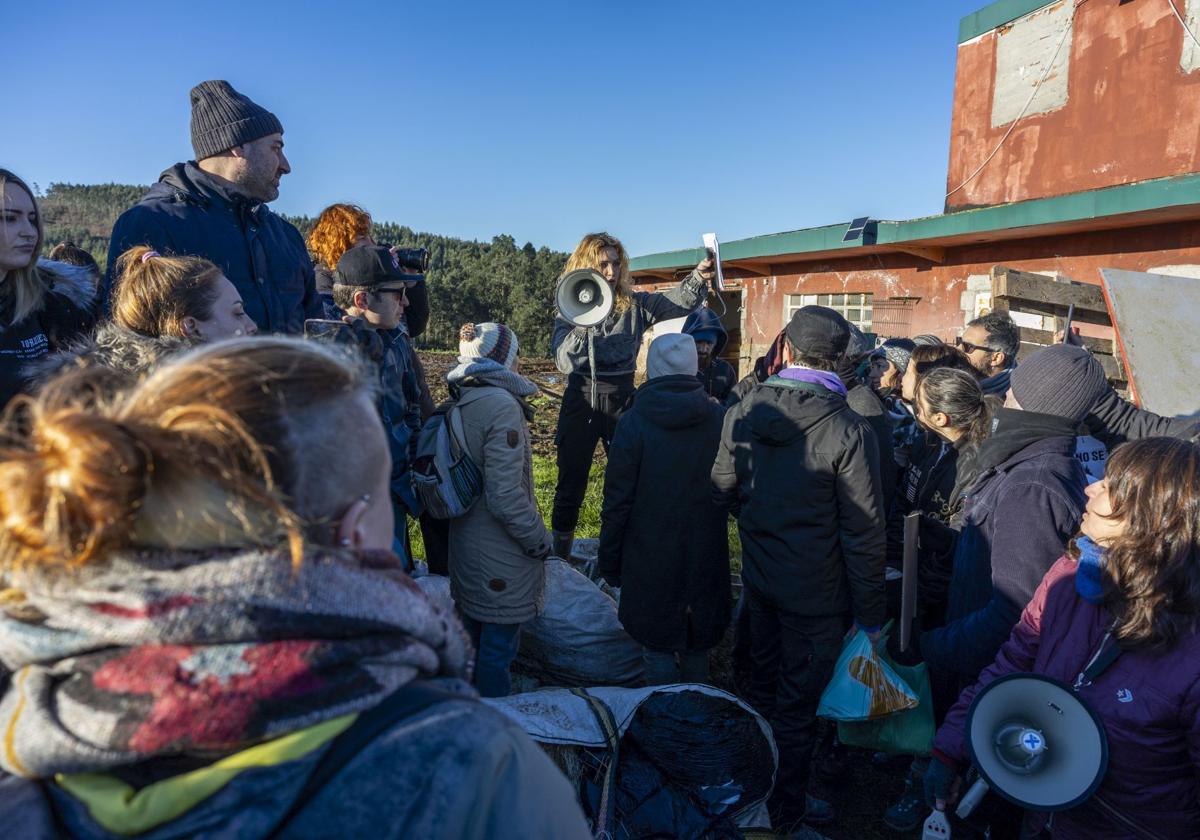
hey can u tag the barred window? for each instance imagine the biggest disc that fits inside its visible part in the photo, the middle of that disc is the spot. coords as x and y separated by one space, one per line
855 307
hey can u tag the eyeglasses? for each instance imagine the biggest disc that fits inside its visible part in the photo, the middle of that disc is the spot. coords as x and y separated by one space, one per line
968 347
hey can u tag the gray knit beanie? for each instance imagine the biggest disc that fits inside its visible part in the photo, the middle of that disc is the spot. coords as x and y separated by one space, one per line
671 354
1061 379
223 118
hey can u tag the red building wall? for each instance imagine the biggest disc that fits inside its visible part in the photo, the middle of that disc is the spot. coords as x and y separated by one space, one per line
946 300
1131 109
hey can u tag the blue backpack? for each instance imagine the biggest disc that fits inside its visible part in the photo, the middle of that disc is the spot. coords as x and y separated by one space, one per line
445 477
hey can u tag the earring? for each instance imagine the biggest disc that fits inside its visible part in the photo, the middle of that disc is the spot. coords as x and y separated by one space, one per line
345 542
366 498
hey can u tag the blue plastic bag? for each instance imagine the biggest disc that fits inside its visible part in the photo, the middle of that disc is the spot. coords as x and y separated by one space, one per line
864 686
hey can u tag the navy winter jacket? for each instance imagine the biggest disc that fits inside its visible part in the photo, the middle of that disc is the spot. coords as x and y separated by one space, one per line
1019 514
190 213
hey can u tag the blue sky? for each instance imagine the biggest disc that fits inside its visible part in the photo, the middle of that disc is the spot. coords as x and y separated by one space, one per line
654 120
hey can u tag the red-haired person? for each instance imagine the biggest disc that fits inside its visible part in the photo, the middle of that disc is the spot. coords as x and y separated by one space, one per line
1129 584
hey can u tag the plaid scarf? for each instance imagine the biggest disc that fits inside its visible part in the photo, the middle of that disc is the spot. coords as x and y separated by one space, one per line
157 654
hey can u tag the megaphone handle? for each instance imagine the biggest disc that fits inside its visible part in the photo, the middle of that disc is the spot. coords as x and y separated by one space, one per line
974 796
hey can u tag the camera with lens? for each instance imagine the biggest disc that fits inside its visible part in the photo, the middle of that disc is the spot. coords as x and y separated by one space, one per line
414 259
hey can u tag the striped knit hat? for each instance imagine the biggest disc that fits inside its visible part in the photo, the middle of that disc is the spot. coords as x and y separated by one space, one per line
488 341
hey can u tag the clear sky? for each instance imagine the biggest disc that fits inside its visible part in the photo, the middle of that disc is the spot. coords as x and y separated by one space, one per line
657 121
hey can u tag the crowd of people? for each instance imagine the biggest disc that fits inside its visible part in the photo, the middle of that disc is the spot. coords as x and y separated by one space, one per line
208 620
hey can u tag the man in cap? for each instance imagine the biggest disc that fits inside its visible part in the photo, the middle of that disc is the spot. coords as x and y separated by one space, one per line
370 287
800 471
216 207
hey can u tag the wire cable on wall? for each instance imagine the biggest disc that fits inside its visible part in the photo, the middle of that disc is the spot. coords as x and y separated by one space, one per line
1183 22
1045 73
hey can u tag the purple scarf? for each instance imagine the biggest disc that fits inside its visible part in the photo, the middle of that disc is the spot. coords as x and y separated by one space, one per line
824 378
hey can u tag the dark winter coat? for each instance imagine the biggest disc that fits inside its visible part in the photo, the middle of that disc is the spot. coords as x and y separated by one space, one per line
113 347
1114 421
188 212
68 313
1022 509
1148 702
800 470
662 539
866 404
719 377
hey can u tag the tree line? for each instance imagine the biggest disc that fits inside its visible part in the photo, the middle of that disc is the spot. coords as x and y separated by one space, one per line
468 280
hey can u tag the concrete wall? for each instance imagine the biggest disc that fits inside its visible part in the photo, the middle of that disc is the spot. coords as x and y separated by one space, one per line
1120 104
953 293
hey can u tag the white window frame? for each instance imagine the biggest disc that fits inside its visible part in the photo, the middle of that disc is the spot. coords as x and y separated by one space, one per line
863 304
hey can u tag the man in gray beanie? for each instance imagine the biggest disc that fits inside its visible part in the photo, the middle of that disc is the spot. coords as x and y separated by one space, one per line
663 541
1022 509
215 207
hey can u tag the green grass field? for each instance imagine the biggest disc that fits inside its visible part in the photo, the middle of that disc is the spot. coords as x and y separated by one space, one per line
545 475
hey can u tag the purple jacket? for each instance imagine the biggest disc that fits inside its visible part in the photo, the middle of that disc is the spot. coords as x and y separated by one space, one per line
1149 703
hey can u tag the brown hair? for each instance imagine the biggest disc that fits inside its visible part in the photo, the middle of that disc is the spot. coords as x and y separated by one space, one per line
587 255
337 228
154 293
227 445
1152 571
929 357
26 286
72 254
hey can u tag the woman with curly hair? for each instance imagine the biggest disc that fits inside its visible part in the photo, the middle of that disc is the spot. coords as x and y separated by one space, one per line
1128 585
595 399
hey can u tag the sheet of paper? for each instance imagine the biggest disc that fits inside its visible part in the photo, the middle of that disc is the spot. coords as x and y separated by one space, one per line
711 243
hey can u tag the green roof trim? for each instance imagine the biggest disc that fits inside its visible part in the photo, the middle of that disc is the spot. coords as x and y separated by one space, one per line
1178 191
997 14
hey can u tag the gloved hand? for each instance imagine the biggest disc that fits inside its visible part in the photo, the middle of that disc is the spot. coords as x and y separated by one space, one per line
941 783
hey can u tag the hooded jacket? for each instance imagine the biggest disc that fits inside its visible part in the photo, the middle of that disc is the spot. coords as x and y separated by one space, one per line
662 539
800 470
498 547
114 347
719 377
188 212
68 313
1024 506
866 404
1148 702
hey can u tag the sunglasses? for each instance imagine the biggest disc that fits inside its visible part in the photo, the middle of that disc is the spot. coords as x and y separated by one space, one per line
968 347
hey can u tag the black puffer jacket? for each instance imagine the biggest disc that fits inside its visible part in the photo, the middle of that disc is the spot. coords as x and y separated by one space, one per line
662 538
866 404
188 212
800 469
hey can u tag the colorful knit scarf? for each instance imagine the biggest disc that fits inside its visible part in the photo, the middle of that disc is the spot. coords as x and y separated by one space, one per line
152 655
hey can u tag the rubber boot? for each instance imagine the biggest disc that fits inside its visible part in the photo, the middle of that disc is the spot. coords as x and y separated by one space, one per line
562 543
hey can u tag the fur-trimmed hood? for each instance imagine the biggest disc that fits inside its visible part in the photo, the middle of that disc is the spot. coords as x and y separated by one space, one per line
77 284
114 347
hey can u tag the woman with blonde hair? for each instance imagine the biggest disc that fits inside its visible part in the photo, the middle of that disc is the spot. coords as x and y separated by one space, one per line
44 305
1118 619
161 305
594 400
206 635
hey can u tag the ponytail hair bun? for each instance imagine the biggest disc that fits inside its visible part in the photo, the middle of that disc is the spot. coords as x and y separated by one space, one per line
154 293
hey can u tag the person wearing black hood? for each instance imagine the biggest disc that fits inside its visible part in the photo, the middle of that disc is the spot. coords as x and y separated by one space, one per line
1021 510
663 541
718 376
867 405
216 207
800 470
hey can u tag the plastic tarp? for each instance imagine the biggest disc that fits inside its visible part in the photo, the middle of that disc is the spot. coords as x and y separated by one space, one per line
577 639
692 760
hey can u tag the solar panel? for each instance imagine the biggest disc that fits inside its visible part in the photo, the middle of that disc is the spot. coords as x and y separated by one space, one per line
855 231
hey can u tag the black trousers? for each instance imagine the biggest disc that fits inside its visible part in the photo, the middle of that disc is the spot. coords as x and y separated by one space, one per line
580 427
436 534
792 658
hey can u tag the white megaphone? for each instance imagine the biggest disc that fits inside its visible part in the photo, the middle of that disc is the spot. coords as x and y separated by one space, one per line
1035 743
583 297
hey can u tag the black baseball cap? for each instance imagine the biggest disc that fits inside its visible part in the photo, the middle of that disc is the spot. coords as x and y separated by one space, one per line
371 267
819 331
